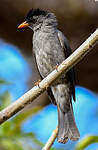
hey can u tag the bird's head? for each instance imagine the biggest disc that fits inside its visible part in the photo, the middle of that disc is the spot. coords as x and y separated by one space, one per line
38 17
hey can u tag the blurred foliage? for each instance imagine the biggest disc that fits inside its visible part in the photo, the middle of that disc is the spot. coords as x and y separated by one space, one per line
11 134
85 142
3 82
5 99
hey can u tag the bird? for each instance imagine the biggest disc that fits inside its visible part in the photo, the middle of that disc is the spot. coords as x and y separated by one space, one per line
50 48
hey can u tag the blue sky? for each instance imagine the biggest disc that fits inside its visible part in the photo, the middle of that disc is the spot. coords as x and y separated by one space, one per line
14 69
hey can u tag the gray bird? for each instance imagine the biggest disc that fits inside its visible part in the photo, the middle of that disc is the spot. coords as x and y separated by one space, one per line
50 48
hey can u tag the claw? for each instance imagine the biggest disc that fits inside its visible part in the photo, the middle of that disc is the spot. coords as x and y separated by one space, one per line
37 83
56 67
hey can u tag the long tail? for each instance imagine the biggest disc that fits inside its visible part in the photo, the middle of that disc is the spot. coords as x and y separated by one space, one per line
67 128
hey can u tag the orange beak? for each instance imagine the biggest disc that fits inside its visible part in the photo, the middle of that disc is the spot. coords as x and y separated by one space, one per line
23 25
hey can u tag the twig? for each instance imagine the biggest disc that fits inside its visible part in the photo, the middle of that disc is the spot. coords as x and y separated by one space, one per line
51 140
28 97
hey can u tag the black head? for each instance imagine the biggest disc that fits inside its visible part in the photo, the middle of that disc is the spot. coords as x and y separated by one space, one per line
34 14
37 17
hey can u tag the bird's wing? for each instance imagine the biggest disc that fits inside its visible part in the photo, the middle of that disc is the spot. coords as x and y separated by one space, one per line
49 91
67 51
50 94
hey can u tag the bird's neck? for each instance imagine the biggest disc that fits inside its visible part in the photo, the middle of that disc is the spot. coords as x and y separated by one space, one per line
37 27
48 28
45 28
47 25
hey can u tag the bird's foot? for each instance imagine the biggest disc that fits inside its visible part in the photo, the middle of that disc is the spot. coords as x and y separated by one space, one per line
47 86
37 83
63 140
56 67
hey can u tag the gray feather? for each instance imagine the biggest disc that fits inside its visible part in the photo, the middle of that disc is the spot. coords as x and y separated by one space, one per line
67 51
73 131
62 127
51 48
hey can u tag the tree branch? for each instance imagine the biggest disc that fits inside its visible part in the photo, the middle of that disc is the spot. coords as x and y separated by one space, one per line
28 97
51 140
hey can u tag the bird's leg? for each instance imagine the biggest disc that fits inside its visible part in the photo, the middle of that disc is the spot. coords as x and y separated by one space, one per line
56 67
47 86
37 83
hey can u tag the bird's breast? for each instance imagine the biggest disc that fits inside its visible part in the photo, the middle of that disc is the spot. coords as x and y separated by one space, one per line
48 52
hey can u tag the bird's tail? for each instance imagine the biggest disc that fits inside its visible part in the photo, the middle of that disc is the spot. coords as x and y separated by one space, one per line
67 128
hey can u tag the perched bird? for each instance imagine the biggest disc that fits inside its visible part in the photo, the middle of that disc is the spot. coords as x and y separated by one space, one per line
50 48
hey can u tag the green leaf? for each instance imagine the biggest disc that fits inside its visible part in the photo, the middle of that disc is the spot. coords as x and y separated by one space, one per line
5 99
10 144
4 82
20 118
88 140
5 129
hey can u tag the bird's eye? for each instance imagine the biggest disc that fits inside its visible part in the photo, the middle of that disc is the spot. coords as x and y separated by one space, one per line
33 20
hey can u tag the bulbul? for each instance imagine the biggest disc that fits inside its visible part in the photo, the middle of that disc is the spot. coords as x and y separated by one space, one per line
50 48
